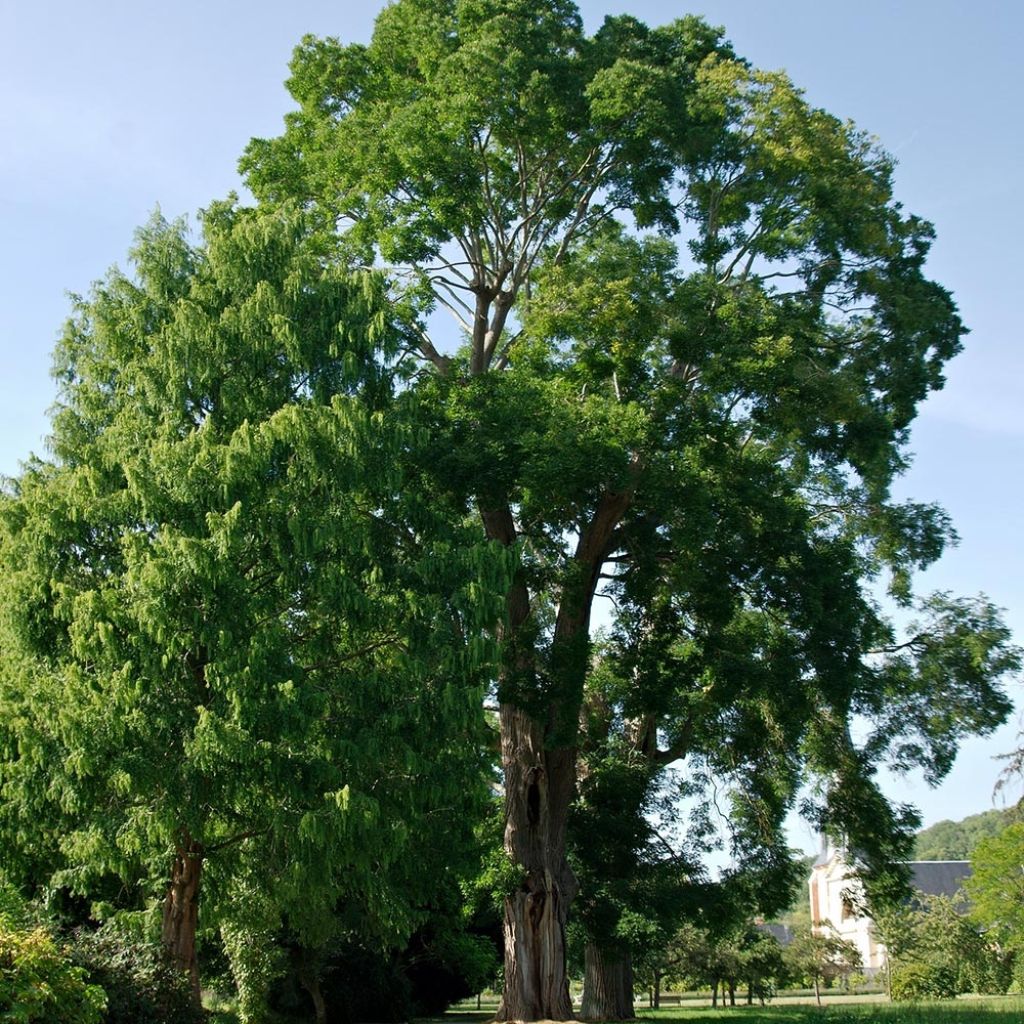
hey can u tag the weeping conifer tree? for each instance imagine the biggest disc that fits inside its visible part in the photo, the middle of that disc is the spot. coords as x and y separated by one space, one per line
242 667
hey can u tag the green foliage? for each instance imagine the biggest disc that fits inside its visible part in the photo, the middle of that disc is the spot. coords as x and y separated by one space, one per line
932 942
39 983
956 840
14 911
712 420
996 887
700 957
257 961
228 627
818 957
821 958
286 542
762 963
140 984
915 980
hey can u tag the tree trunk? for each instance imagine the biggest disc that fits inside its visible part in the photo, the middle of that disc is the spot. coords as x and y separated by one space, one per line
750 993
539 785
817 991
732 992
607 985
538 755
714 994
181 911
310 982
657 990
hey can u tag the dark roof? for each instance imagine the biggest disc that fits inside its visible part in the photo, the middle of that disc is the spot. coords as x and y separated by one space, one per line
938 877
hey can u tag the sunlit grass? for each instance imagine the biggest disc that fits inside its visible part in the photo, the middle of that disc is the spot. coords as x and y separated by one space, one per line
1004 1010
855 1010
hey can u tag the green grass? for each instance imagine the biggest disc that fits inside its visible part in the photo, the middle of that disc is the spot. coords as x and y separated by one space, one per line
1007 1010
990 1010
968 1010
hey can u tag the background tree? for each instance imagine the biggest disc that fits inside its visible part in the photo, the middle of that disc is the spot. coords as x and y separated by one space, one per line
685 958
232 664
935 950
762 964
718 421
821 959
636 883
996 890
640 872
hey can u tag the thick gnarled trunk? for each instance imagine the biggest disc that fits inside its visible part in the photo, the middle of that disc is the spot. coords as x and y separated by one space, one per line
538 756
181 911
538 791
607 985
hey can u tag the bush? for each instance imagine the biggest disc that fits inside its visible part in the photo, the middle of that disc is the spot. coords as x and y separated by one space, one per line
912 981
142 986
39 983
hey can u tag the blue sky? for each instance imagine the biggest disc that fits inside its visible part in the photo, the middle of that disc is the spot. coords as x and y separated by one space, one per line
108 110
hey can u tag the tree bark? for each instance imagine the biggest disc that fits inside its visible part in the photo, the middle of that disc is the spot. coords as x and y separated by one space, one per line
714 994
607 985
732 992
539 785
181 911
538 753
311 983
817 991
657 991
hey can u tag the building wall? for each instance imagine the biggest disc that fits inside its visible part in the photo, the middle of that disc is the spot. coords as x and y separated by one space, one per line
834 899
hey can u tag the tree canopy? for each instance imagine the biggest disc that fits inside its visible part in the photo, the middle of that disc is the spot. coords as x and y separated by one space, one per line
292 530
233 650
996 886
695 327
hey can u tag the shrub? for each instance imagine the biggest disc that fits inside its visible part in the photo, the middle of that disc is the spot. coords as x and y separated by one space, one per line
39 983
142 986
912 981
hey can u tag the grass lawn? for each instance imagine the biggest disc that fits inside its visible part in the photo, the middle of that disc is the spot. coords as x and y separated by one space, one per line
967 1010
851 1010
1005 1010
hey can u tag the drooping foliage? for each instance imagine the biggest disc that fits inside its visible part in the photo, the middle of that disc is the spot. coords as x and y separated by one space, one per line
239 659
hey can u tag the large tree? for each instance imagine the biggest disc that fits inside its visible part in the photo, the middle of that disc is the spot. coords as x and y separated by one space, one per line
712 414
238 659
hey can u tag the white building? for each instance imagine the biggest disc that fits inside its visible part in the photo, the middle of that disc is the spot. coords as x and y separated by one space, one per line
837 899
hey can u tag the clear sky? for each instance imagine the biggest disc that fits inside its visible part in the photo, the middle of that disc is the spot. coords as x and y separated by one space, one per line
110 109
